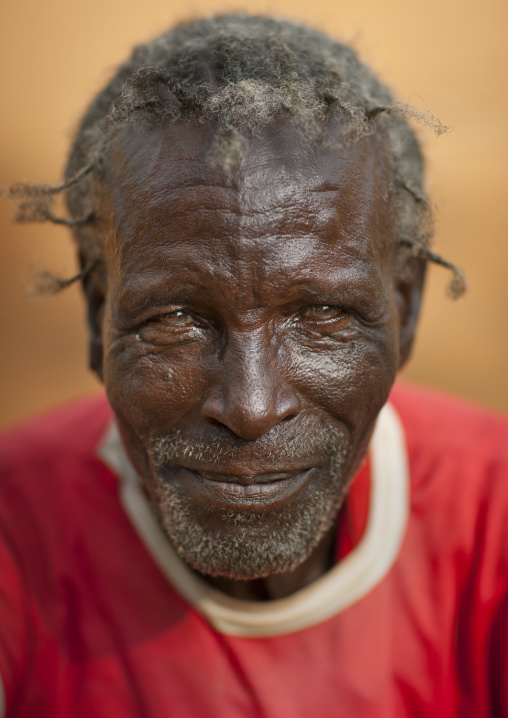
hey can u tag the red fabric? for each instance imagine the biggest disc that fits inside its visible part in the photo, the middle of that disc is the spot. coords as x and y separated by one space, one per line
90 627
354 513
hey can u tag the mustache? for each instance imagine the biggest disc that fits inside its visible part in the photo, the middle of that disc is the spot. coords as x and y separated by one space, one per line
306 441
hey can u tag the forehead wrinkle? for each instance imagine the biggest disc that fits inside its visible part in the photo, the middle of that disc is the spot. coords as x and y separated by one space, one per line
234 276
269 180
274 191
244 219
349 238
301 206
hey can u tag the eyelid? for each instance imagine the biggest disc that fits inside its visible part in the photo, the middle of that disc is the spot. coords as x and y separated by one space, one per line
161 317
157 318
338 312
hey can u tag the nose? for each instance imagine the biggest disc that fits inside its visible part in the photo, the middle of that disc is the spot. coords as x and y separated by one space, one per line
249 396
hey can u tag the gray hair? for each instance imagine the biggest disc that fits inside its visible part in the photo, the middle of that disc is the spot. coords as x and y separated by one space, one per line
239 73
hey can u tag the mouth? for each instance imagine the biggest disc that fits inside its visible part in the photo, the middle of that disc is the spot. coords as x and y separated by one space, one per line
246 490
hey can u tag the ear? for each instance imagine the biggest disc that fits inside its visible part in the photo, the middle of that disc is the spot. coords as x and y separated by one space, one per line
95 290
408 292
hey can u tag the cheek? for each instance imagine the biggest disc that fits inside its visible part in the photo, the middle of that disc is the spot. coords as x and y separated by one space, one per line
353 381
152 389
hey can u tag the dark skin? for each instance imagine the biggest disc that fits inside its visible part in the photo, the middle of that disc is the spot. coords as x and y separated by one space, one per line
248 307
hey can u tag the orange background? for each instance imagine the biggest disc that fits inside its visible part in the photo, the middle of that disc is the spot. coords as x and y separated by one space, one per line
450 57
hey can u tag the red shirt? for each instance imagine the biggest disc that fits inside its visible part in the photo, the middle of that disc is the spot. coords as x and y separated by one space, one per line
90 626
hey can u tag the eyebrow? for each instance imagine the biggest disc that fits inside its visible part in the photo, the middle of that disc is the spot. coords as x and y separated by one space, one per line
339 286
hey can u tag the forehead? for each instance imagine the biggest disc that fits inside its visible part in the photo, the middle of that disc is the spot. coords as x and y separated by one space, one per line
168 193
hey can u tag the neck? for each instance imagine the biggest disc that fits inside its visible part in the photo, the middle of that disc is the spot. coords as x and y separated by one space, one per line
282 585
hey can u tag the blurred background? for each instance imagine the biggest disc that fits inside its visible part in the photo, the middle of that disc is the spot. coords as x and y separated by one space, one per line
449 57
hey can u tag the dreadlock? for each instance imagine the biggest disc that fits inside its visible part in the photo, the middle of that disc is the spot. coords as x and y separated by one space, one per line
239 73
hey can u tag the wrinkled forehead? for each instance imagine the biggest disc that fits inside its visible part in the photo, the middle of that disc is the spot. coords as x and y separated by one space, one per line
274 183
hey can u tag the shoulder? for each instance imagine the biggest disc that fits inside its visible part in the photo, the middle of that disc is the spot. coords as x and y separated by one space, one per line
452 444
437 423
462 445
69 431
458 460
49 467
49 479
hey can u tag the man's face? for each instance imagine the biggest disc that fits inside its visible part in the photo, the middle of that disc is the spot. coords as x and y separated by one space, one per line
251 334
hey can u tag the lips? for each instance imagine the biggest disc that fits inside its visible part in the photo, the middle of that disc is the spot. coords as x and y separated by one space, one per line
260 490
246 479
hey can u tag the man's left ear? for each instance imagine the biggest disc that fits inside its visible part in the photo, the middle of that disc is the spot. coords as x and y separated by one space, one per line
95 288
408 292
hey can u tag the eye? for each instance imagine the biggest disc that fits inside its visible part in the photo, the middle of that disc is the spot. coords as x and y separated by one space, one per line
170 328
326 320
178 318
323 313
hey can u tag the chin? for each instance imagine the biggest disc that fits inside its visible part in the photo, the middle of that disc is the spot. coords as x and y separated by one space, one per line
247 545
247 526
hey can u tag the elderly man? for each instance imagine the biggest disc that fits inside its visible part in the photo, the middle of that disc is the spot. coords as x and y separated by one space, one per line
252 530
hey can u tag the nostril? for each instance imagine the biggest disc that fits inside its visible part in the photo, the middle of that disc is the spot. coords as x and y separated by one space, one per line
251 408
216 422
